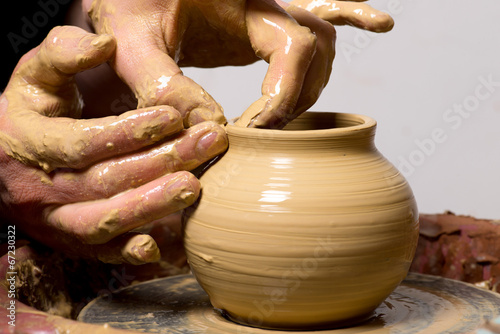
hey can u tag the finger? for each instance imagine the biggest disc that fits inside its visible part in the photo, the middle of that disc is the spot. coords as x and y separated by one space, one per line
195 104
319 71
186 151
65 51
97 222
352 13
65 142
130 248
288 48
162 82
152 73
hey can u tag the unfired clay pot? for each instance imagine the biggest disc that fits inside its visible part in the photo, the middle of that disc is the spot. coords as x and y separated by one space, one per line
306 227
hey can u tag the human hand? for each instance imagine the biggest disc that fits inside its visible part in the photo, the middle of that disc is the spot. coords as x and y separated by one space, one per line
301 85
82 185
155 37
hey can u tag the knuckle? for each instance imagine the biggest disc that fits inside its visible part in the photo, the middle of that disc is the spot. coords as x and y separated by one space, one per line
73 153
172 161
326 30
97 182
305 39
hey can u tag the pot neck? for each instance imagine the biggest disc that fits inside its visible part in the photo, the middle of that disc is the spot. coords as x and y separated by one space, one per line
311 130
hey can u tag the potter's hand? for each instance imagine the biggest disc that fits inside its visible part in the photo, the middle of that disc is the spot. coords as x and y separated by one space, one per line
156 36
297 75
82 185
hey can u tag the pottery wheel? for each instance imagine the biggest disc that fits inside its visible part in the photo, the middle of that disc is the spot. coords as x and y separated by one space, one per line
175 305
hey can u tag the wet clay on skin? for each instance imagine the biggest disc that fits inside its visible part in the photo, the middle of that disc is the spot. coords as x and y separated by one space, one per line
134 252
66 141
352 13
269 109
156 84
294 52
297 217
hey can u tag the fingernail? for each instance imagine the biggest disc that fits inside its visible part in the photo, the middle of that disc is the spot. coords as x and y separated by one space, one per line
212 144
185 190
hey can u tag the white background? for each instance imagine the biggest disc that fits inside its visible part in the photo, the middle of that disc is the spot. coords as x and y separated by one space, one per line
414 81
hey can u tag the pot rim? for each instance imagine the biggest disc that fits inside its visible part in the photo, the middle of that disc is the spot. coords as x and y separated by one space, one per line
365 123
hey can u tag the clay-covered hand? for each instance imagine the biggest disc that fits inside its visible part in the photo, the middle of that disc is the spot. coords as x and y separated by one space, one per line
155 37
81 185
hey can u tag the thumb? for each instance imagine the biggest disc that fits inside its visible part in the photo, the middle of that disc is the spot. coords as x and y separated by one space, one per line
65 51
43 80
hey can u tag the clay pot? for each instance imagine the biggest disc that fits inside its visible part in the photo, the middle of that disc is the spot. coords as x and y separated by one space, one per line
306 227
